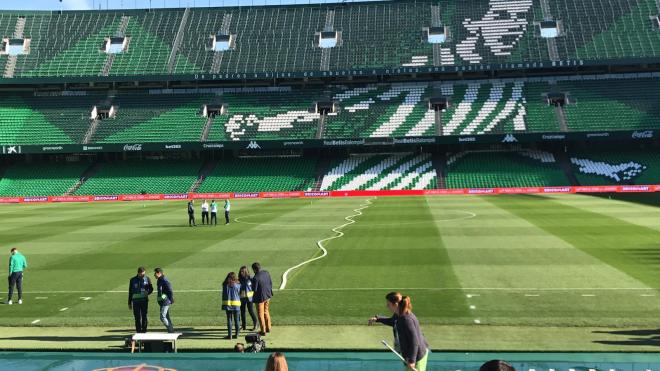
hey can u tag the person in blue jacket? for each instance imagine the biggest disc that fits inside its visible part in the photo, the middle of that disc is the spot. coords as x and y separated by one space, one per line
246 297
139 289
231 303
165 298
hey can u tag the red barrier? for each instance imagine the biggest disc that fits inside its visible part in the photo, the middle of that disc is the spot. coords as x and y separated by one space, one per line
320 194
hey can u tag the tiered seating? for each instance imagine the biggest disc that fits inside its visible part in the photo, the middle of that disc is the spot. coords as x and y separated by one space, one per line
608 29
151 38
21 124
379 172
483 108
620 167
153 118
261 175
134 177
503 169
496 31
613 104
381 111
373 35
66 44
40 179
540 116
267 114
382 34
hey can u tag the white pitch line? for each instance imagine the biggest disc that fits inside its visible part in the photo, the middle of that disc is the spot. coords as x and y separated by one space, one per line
63 309
532 295
36 321
85 298
647 295
41 297
319 243
473 307
588 295
477 321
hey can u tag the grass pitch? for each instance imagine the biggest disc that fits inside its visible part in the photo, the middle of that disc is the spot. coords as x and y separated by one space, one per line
498 266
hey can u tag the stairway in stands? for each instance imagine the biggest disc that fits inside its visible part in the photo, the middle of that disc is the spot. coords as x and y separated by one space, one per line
88 173
440 165
565 164
204 171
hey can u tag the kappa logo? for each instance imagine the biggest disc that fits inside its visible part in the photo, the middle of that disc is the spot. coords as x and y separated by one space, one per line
11 150
253 145
509 138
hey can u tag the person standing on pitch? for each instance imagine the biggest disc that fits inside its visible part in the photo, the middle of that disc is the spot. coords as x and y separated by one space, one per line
227 208
262 285
246 297
231 303
214 213
139 289
165 298
191 213
205 213
17 264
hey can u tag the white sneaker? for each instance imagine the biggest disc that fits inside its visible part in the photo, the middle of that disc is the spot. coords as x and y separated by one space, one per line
20 301
9 302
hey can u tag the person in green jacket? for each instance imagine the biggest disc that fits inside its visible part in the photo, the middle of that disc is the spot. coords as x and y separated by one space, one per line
17 264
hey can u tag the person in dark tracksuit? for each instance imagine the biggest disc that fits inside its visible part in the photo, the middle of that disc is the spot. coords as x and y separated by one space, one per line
139 289
165 298
191 213
246 297
262 285
231 303
17 264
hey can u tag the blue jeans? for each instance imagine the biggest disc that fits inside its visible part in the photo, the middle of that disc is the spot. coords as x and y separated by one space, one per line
165 317
233 319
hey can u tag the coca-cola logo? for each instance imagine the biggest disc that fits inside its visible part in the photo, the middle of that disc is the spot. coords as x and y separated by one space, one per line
133 147
642 134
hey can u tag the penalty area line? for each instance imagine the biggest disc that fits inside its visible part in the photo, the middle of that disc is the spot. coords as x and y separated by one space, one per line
319 243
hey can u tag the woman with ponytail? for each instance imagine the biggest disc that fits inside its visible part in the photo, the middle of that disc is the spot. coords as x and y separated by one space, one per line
414 347
392 300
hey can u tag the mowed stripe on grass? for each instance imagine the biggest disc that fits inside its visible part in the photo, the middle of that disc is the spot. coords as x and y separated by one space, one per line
431 247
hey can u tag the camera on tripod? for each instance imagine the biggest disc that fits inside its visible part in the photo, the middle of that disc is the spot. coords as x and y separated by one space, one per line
257 344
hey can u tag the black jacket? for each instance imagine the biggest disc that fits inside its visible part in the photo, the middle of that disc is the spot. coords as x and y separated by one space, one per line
165 294
262 285
139 289
412 342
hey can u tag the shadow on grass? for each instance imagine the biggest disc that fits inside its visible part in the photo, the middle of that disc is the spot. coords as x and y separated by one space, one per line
121 335
650 337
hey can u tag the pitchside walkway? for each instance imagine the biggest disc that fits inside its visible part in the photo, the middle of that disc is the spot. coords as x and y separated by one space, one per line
442 338
376 361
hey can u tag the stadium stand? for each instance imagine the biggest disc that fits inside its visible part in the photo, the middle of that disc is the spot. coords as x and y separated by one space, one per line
503 169
621 167
153 118
609 29
40 179
381 111
261 175
135 177
379 172
362 111
267 114
612 104
377 34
